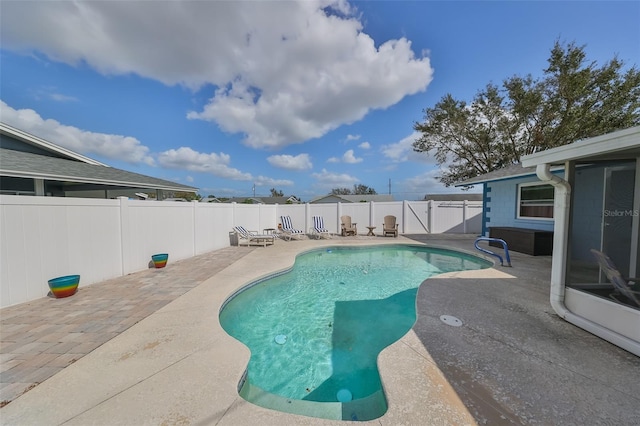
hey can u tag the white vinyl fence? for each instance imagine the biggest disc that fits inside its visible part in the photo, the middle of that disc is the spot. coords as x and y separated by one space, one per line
46 237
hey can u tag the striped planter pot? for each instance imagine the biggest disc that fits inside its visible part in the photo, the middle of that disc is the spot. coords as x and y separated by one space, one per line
64 286
160 260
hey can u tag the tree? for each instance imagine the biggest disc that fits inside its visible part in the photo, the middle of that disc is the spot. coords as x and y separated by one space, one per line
358 189
276 193
575 99
363 189
340 191
189 196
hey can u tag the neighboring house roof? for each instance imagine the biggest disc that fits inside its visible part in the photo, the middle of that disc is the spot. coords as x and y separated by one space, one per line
38 145
23 155
264 200
510 171
28 165
332 198
454 197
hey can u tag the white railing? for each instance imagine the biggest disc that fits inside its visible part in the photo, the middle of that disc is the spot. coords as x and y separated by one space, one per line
45 237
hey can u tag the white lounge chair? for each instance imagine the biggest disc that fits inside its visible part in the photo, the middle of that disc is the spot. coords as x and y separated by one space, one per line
318 230
252 237
288 231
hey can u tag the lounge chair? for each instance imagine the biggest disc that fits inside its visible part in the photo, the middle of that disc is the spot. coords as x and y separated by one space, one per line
318 230
390 227
252 237
347 227
622 286
288 231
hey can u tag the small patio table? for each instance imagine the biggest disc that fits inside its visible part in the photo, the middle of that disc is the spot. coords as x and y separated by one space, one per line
370 233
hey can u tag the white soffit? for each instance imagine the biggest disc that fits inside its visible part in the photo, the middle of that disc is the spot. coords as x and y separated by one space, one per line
622 140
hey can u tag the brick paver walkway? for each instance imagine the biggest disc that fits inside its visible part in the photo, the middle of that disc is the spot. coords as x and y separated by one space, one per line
40 338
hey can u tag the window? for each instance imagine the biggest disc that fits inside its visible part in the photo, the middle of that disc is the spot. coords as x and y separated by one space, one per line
535 201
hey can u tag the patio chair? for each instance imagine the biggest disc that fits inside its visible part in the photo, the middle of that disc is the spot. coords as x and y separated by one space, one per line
347 227
318 230
390 227
622 286
252 237
288 231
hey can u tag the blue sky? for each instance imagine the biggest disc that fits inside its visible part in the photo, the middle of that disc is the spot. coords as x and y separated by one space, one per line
298 96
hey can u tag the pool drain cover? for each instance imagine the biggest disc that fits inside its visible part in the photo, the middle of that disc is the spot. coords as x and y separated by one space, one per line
344 395
281 339
449 320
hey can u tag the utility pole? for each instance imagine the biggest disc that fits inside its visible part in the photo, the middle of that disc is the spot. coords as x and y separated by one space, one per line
254 190
389 186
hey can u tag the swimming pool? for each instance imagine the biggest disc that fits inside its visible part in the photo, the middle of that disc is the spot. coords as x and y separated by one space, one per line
315 331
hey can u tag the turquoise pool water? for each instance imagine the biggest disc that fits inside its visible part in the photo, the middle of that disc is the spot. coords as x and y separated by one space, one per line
315 332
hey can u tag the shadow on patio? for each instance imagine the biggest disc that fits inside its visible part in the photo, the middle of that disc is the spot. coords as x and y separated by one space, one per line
514 360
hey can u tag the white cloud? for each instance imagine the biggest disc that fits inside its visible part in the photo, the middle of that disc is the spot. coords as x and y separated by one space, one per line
348 157
290 162
352 138
423 184
428 183
115 147
402 151
267 181
185 158
284 72
51 93
364 145
328 180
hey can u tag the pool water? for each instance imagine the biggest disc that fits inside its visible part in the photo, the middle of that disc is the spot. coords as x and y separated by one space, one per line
315 332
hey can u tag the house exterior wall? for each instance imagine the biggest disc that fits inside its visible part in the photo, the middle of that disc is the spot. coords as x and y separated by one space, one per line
501 209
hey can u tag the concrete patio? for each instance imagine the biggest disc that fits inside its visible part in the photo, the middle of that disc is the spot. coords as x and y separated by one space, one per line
147 348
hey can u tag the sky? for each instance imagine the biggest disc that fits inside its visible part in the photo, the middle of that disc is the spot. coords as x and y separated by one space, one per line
238 97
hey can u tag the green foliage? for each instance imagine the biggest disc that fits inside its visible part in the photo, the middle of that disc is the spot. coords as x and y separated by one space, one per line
276 193
363 189
189 196
575 99
358 189
341 191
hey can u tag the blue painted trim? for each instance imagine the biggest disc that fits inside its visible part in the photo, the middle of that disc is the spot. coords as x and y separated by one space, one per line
485 208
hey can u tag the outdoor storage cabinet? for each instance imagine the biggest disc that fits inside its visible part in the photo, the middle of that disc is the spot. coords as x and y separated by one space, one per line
529 241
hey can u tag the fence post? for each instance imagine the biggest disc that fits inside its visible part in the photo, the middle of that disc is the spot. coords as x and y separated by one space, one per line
405 216
233 214
430 216
464 216
125 235
339 214
195 234
372 215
